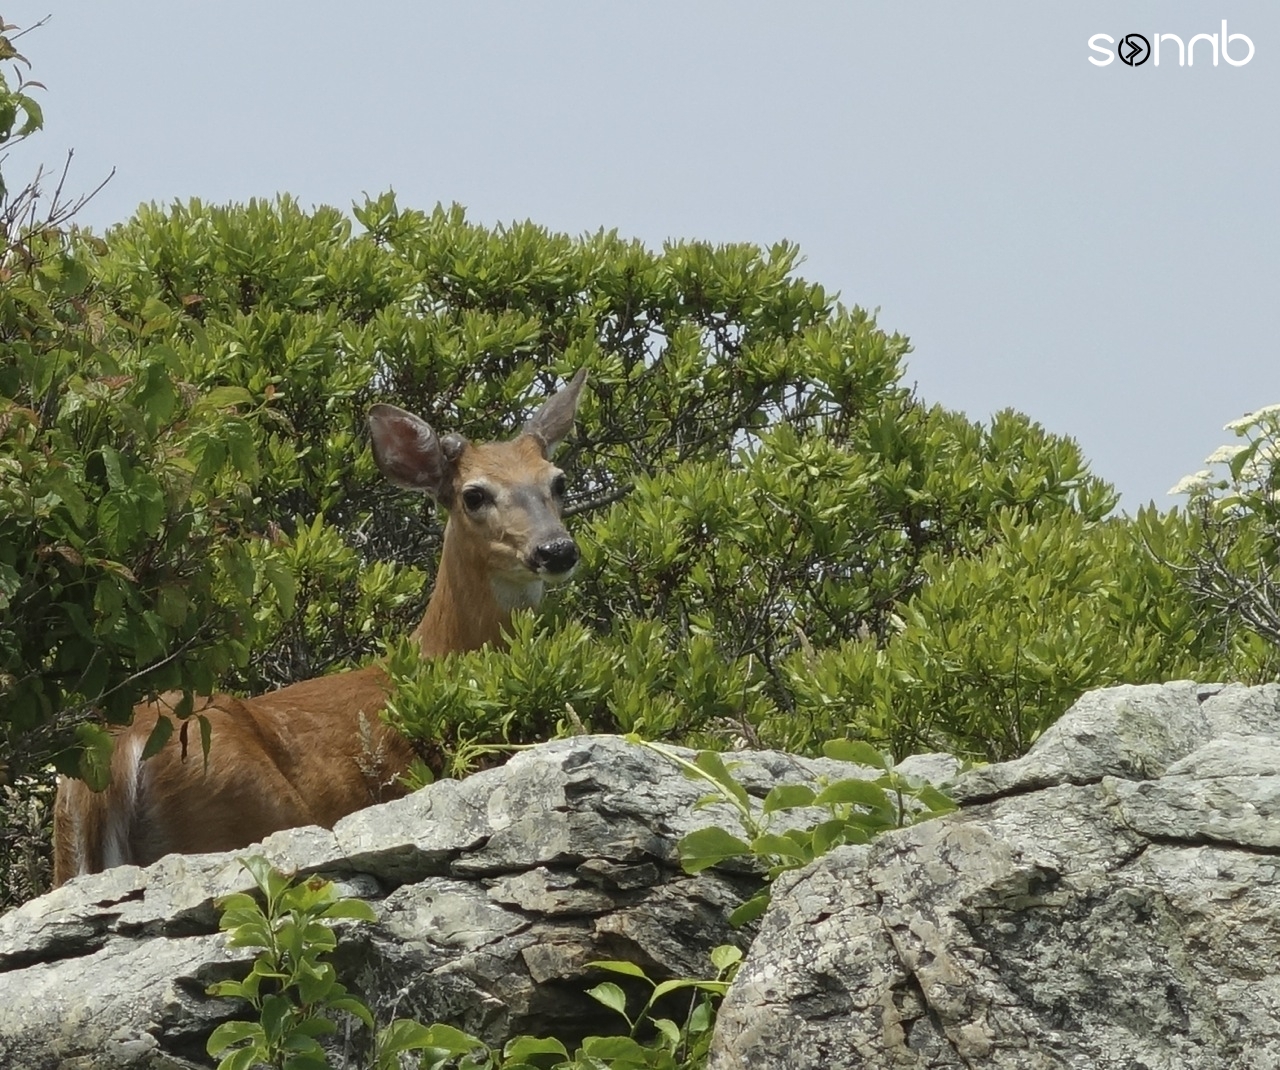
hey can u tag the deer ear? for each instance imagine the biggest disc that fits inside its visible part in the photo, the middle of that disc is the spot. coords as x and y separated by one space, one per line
551 423
409 453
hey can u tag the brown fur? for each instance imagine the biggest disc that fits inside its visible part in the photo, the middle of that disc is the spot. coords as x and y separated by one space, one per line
318 750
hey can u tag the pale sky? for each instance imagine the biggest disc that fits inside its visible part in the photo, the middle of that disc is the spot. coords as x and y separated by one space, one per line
1095 246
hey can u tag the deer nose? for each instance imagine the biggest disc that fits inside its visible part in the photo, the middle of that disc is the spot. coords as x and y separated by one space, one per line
556 557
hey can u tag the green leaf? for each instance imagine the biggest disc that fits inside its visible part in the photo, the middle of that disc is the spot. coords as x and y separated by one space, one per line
308 1061
709 847
857 751
156 397
716 988
353 909
750 910
302 1042
713 765
615 1048
857 792
356 1008
524 1048
10 581
832 833
172 605
118 519
406 1035
771 843
284 583
239 439
451 1040
206 736
725 955
242 1059
264 874
315 1027
1244 457
206 453
611 996
230 989
236 901
222 397
315 984
229 1033
111 461
34 115
157 737
96 746
700 1019
149 502
247 930
788 797
630 969
275 1014
937 801
669 1030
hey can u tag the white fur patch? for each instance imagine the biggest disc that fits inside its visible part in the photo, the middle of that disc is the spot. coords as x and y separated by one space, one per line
76 833
123 807
516 594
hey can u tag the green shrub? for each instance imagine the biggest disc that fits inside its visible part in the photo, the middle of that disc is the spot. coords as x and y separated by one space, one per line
764 511
1233 572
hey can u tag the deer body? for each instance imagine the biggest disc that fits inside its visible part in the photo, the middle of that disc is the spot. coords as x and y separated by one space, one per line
317 750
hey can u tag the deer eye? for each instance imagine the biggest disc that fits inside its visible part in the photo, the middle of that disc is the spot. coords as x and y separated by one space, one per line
559 486
476 498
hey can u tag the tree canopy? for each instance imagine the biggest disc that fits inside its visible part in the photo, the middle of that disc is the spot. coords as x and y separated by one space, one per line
781 542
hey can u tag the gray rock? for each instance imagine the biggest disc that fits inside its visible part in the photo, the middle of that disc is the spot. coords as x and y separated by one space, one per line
492 894
1110 900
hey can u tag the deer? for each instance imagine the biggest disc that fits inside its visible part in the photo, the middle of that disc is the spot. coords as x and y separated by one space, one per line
315 751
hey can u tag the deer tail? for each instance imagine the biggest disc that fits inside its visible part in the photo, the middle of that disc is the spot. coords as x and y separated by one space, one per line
92 830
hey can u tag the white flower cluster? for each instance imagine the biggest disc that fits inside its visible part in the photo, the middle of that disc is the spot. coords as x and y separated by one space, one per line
1257 469
1252 419
1193 484
1224 454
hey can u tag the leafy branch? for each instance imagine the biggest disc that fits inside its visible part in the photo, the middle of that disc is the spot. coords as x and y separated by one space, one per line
297 999
847 811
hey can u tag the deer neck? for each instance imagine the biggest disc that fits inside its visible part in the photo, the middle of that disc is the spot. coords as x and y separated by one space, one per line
469 608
